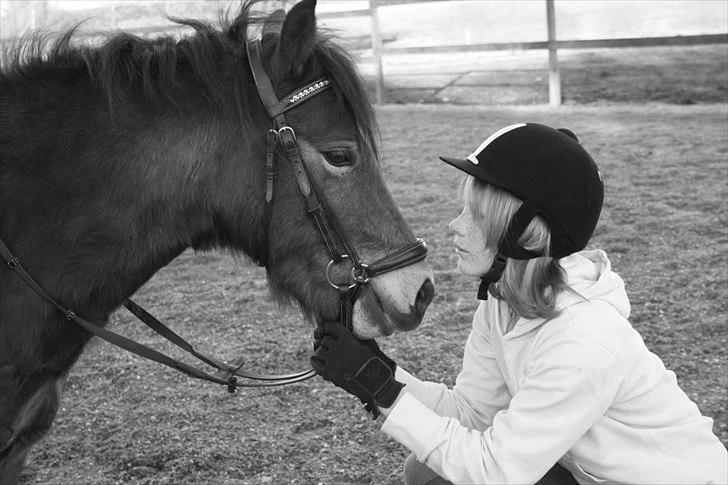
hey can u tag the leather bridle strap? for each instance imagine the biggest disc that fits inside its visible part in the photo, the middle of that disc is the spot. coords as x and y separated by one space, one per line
233 370
148 353
273 106
411 253
337 245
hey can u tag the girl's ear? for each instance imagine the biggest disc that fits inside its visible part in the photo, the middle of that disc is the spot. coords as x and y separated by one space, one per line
298 37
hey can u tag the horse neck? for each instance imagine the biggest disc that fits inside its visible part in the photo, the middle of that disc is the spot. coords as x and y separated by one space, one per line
129 197
194 188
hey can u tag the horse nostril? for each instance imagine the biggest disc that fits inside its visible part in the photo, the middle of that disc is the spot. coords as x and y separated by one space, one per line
424 296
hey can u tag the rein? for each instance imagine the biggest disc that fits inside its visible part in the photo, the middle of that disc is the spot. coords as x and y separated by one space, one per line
340 249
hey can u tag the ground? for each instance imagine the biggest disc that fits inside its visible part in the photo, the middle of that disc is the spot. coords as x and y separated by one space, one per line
664 227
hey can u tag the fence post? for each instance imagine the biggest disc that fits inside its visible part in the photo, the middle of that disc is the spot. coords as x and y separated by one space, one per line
377 52
554 72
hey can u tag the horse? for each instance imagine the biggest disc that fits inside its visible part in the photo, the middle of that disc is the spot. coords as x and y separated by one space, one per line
117 157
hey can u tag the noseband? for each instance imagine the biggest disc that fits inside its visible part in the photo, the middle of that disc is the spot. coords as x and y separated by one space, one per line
339 248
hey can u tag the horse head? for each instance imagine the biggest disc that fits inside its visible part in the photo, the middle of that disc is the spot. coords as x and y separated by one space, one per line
336 133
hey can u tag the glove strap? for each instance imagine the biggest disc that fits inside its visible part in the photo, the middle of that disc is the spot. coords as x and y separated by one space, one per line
373 375
376 379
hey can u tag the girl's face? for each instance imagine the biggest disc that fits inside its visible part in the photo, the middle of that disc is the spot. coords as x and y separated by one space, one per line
473 257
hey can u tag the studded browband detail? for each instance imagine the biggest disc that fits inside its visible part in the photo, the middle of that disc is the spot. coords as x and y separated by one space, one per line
309 90
297 97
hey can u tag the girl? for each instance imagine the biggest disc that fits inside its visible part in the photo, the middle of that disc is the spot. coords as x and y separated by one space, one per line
552 369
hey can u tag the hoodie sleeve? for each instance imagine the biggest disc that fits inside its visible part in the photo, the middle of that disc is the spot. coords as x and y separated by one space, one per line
569 386
479 392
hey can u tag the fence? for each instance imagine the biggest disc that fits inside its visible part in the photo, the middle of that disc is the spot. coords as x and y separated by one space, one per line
551 44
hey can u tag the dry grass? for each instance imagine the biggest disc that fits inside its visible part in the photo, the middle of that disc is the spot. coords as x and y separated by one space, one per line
664 226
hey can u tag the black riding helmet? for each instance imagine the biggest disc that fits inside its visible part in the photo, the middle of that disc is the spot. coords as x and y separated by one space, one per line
552 174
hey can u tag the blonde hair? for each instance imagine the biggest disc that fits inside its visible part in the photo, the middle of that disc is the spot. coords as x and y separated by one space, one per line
528 286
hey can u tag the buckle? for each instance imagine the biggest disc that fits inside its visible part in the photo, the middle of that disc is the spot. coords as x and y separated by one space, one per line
286 129
232 384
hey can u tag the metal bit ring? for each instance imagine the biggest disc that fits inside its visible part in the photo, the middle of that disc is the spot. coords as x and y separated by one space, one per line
328 273
359 274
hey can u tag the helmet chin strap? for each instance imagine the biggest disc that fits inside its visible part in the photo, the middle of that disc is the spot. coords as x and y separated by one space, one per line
492 275
509 248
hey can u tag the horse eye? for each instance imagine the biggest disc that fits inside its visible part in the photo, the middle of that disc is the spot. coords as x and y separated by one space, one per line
339 158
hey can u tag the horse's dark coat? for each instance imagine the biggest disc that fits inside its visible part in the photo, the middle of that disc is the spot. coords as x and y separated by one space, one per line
116 158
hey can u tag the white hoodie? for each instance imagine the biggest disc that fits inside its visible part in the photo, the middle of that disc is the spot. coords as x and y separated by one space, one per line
581 389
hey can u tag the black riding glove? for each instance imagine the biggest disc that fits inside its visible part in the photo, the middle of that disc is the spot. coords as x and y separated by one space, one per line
319 333
357 366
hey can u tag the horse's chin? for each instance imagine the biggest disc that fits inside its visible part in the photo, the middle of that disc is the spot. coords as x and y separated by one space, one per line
370 319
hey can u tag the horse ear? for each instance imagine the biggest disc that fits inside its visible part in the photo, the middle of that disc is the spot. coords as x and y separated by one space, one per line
298 37
272 25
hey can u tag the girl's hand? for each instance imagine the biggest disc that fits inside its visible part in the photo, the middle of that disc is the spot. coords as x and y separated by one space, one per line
357 366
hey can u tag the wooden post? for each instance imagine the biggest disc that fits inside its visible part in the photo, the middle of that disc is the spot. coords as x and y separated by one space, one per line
554 73
377 52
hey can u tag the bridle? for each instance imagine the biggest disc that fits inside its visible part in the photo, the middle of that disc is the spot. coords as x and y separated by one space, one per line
338 246
340 249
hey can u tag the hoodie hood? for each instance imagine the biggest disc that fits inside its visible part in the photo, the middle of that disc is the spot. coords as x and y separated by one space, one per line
589 274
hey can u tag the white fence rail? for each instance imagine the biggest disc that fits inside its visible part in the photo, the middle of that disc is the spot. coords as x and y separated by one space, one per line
552 44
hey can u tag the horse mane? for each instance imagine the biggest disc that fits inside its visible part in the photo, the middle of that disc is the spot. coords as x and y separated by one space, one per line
126 66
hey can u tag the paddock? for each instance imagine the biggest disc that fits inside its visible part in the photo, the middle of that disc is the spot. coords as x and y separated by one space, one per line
664 225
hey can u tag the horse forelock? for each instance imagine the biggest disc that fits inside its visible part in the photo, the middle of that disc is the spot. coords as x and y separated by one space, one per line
338 64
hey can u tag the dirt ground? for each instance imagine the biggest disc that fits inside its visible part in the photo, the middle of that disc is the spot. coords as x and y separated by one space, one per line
124 420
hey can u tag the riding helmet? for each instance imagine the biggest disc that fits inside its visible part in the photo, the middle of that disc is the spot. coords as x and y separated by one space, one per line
552 174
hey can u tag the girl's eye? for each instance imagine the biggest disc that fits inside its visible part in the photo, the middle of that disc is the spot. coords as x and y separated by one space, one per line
339 158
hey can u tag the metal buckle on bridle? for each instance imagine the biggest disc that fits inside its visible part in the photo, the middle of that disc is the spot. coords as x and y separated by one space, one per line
232 381
283 130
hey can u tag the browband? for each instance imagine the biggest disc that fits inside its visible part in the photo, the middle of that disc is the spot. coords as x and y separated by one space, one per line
277 108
